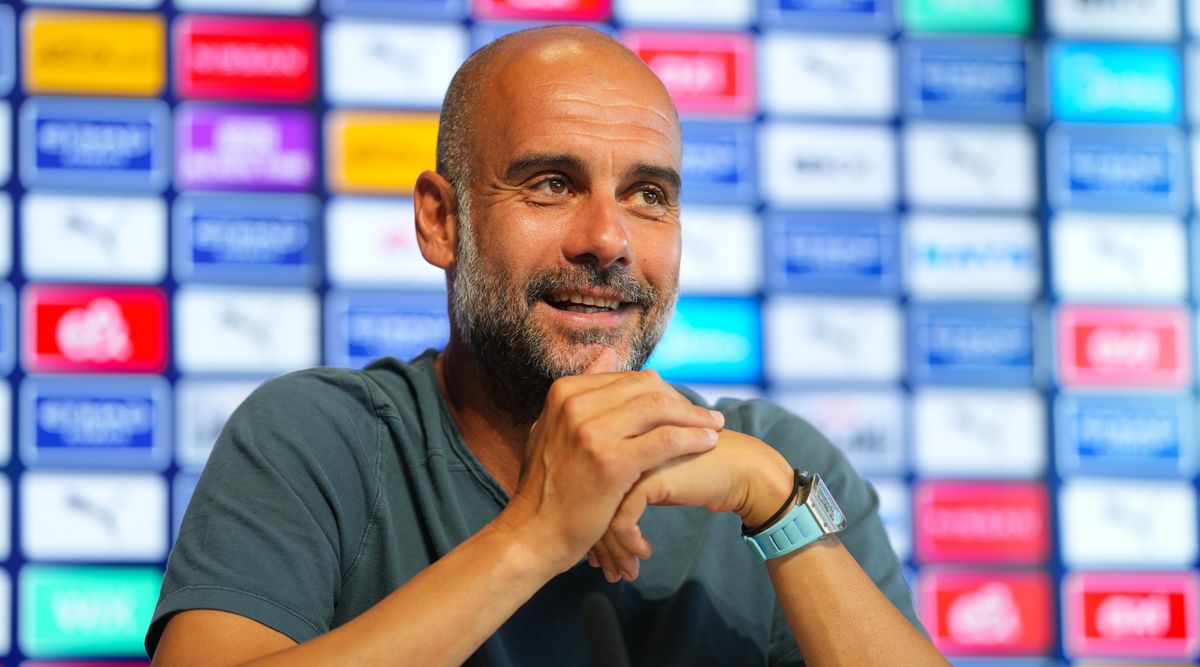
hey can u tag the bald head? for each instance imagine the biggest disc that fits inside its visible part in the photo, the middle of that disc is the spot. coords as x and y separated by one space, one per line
497 73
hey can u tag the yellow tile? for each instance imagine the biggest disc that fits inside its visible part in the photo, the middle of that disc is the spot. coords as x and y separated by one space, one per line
93 53
377 152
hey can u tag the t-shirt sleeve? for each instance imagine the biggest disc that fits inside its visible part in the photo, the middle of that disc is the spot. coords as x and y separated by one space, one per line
864 535
281 508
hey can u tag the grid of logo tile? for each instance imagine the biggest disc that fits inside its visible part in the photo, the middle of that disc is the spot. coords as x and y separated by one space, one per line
955 235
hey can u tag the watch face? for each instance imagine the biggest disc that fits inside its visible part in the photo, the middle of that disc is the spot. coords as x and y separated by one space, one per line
825 508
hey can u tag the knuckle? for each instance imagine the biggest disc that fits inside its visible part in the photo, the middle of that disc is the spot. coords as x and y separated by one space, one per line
651 375
571 406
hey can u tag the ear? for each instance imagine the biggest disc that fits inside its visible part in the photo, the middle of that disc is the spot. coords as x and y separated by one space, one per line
436 213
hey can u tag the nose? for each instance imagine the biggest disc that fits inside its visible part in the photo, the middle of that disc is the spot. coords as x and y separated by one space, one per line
599 235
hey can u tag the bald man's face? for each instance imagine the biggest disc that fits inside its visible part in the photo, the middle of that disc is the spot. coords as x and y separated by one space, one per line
575 204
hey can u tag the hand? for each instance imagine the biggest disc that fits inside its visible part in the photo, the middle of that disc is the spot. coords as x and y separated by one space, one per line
596 435
741 474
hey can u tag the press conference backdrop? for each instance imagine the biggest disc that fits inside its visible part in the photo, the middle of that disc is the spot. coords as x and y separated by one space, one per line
954 234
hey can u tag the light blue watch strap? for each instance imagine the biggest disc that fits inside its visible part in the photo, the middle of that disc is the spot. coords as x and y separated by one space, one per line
796 529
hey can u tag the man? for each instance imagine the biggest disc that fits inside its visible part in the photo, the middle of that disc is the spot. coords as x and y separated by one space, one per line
442 511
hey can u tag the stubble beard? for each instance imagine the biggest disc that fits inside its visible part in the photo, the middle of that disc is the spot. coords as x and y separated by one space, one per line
519 361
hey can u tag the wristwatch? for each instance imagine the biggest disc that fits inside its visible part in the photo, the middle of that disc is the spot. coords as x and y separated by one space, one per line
815 515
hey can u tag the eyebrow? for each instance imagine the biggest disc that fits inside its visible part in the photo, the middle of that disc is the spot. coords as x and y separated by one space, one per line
522 166
642 170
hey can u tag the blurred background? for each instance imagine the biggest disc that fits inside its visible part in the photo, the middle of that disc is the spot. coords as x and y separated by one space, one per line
954 234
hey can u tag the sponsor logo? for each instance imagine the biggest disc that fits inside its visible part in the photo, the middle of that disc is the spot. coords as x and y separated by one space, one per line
202 408
548 10
974 16
393 65
979 344
1105 258
8 51
258 7
93 53
836 252
243 148
1131 435
690 12
977 258
1123 347
965 79
704 73
182 488
711 340
94 144
833 14
1135 19
980 166
373 242
245 331
8 330
972 522
361 327
894 504
257 238
93 238
988 433
91 422
78 611
722 248
825 76
251 59
828 166
93 329
108 517
1124 522
6 233
1113 83
1109 169
380 153
6 421
833 340
1133 615
718 162
5 552
987 613
868 426
5 141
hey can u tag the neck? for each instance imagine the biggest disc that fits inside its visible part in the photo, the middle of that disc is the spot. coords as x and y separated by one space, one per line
490 433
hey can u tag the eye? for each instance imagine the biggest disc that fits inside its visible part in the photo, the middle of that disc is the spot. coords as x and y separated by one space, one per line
651 196
555 185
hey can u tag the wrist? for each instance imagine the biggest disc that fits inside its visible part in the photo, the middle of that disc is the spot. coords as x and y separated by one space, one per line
768 489
525 543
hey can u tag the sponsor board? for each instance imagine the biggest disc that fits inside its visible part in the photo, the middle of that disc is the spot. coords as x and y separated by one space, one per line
832 253
6 234
93 329
828 166
827 76
220 147
719 162
369 63
973 166
812 339
867 425
711 339
1114 83
485 32
1144 615
372 242
90 238
542 10
362 326
93 517
731 13
979 433
95 422
377 152
980 79
201 409
419 9
1119 19
874 15
271 60
85 610
894 511
6 444
971 258
6 141
974 16
706 73
987 612
245 331
1139 436
981 522
977 344
1123 346
182 488
8 50
722 250
93 53
8 328
1112 169
94 144
257 7
250 238
1106 258
6 504
1126 523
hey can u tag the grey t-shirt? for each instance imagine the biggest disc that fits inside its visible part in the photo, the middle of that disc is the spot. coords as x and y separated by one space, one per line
328 489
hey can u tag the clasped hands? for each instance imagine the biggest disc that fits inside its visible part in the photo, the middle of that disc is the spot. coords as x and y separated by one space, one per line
608 444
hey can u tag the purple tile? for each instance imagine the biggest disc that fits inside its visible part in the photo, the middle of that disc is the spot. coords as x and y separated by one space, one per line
244 148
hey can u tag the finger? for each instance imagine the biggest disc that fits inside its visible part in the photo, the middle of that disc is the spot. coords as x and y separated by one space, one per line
626 562
591 559
607 565
664 443
624 527
606 362
640 412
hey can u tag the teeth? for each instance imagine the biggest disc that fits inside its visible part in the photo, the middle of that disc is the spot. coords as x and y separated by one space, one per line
583 300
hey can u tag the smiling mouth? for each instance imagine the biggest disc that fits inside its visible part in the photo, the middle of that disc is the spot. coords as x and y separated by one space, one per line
581 303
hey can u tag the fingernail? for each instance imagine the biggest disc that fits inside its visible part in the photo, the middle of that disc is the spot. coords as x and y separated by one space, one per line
610 577
710 435
591 557
718 417
627 576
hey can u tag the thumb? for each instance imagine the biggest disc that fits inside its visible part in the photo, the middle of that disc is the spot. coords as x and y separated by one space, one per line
606 362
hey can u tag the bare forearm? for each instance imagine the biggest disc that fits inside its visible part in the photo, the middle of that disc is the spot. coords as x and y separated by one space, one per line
837 614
